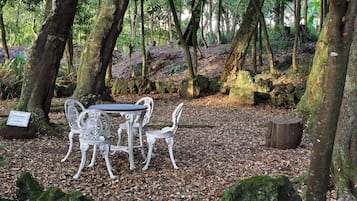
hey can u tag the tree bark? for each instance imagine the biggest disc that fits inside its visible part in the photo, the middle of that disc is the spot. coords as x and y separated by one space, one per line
98 51
182 40
296 35
219 16
310 102
143 51
344 157
43 64
3 31
239 46
269 51
340 33
69 53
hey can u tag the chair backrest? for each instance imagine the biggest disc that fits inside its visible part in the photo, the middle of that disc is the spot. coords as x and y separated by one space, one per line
149 102
176 117
94 125
72 108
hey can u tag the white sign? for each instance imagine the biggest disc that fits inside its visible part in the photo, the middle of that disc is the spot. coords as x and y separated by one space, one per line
17 118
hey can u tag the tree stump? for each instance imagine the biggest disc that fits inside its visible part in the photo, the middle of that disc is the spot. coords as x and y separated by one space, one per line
284 132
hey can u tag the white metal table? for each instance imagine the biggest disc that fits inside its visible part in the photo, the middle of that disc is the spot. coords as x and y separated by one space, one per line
129 112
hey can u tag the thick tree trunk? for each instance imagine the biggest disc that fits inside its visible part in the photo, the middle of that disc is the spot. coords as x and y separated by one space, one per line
239 46
98 51
340 33
311 101
43 64
344 158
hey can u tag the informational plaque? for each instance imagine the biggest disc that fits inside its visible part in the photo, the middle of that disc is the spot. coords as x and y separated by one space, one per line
18 118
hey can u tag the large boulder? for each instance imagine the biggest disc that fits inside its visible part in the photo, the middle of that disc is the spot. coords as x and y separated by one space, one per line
262 188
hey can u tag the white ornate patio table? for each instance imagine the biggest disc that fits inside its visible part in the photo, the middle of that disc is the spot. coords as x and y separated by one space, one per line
129 112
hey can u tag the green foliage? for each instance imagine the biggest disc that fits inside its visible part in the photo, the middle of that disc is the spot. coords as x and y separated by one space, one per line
177 69
11 74
262 188
3 156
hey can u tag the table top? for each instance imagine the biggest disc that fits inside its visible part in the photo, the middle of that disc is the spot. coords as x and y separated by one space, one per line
118 107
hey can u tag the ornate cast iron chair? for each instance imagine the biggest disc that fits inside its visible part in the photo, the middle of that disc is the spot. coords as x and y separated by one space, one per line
168 133
72 109
94 128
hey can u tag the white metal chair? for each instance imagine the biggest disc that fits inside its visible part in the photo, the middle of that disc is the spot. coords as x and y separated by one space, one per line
168 133
149 102
72 109
94 128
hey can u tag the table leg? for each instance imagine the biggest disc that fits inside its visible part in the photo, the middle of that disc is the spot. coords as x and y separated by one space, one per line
130 141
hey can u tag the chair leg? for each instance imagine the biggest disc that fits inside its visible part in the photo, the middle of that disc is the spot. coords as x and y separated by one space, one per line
70 137
84 148
93 156
105 152
170 143
142 143
150 142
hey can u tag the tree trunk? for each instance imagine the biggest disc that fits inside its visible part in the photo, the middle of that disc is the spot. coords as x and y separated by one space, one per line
69 53
310 102
239 46
143 51
340 33
182 40
254 49
296 35
98 51
344 157
3 31
133 21
43 64
305 10
269 51
219 16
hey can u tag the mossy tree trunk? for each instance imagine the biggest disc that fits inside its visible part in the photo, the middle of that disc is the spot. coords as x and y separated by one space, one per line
310 102
43 64
239 46
344 158
98 51
340 26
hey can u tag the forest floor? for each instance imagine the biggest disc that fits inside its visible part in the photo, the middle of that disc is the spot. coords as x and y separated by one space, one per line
218 144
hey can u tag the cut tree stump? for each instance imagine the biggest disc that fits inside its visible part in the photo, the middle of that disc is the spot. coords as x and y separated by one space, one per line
284 132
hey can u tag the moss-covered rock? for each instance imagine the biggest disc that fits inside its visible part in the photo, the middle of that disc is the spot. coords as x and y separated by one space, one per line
203 83
30 190
171 87
244 91
28 187
262 188
160 87
189 88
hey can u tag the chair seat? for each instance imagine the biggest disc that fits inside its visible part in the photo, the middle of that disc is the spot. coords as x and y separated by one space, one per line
159 133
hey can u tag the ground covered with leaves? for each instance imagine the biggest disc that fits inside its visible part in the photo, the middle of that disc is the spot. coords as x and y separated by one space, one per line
217 144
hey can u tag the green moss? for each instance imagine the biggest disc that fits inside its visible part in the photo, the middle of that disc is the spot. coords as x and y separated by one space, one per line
262 188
